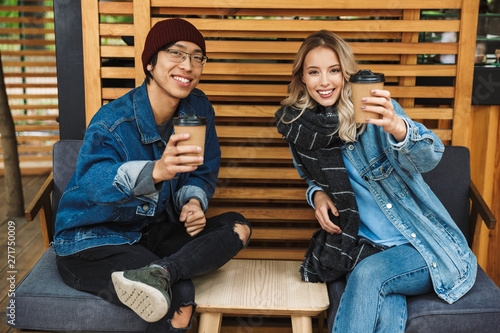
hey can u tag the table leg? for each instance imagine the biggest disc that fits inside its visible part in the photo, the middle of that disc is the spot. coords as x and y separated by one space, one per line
210 322
301 324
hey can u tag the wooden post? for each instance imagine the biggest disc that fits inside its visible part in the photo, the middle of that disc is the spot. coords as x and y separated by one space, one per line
13 183
484 147
465 72
142 25
91 58
409 59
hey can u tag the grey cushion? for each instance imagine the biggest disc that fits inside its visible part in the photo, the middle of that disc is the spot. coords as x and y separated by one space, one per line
476 312
44 302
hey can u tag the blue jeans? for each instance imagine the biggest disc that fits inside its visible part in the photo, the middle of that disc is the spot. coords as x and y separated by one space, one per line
167 244
374 298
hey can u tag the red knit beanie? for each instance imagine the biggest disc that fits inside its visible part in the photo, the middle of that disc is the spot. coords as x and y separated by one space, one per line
170 31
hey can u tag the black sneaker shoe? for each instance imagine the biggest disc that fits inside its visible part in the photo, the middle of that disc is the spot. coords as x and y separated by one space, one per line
144 290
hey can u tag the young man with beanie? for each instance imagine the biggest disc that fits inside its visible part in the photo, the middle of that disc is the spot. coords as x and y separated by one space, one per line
131 224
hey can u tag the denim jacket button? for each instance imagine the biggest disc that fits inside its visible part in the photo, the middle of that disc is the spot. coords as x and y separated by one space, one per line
434 264
413 235
351 147
146 208
389 206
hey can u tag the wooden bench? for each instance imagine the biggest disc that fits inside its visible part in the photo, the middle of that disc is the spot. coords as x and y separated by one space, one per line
251 45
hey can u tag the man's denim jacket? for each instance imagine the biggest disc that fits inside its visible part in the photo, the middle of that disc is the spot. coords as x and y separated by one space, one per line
98 207
392 173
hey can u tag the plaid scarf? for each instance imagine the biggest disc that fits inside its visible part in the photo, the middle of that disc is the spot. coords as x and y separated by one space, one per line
318 155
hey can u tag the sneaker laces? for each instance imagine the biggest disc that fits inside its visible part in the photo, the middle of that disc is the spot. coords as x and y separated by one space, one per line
164 278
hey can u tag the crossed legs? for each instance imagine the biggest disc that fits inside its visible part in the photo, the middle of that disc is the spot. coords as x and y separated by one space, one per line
183 257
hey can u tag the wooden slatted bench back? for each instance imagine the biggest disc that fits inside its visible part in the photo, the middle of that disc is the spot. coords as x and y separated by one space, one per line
251 45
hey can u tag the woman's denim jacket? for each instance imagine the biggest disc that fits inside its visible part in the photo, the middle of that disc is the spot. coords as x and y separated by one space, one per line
98 206
392 173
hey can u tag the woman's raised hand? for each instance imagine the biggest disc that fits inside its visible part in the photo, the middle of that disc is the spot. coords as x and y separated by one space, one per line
380 102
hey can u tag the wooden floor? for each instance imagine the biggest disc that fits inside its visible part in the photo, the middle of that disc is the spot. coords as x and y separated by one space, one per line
28 243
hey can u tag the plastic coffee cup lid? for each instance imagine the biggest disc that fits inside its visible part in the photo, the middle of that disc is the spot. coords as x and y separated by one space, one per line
366 76
189 120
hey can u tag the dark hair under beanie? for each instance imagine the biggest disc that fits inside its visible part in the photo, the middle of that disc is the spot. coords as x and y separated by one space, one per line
170 31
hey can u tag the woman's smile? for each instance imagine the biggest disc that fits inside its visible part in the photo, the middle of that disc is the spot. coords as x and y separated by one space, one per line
322 75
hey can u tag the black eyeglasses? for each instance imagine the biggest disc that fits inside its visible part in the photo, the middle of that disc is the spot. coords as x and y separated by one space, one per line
179 56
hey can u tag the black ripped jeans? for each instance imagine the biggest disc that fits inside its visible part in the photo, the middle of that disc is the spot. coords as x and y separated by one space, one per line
166 244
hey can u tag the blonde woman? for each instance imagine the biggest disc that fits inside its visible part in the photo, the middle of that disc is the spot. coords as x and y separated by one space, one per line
381 225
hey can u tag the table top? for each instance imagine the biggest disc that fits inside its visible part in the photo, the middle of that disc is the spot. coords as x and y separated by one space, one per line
271 287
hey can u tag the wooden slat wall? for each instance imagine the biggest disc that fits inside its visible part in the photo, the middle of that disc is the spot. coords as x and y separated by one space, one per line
28 56
251 45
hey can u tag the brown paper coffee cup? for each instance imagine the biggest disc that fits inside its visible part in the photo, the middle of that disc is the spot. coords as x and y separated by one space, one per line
196 127
362 83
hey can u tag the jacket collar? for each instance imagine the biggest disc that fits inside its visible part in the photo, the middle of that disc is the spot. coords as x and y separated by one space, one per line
144 116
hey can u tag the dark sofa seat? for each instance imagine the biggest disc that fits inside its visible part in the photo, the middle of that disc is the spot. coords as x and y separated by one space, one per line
44 302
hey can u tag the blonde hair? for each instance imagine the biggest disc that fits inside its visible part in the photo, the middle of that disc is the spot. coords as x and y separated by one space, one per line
300 98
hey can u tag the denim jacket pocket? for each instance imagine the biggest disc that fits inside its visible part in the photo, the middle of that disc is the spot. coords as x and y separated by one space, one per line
146 209
381 169
383 172
129 212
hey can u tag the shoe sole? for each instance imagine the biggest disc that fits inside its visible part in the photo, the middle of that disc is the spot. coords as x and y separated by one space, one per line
148 302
